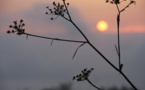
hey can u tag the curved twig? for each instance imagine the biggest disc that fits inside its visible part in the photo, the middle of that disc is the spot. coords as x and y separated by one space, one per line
77 50
93 84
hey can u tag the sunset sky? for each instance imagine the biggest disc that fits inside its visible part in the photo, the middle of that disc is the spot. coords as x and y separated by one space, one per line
35 64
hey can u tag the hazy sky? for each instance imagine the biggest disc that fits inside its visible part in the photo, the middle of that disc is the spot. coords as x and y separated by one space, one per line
33 63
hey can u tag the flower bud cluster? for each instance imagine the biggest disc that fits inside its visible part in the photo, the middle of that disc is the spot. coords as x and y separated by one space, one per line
17 27
58 9
84 75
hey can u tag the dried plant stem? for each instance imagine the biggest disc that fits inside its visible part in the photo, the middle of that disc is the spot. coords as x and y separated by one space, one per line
118 37
57 39
93 84
126 78
119 52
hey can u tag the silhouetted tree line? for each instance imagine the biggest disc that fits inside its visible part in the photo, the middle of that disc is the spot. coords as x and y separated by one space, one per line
68 86
118 88
64 86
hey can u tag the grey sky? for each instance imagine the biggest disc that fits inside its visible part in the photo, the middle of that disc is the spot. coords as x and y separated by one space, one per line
34 63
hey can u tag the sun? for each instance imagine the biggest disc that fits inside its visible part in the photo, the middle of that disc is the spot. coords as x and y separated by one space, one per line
102 26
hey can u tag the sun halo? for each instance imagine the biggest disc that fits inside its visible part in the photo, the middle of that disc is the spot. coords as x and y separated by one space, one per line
102 26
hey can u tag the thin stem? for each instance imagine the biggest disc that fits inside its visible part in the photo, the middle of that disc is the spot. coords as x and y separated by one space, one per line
118 36
57 39
128 80
80 31
93 84
126 7
67 9
66 18
116 50
117 7
77 50
104 57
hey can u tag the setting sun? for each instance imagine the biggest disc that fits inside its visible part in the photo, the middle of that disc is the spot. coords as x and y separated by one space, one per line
102 26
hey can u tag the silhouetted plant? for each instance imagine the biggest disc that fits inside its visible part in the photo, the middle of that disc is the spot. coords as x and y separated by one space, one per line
58 10
116 2
17 28
63 86
84 76
61 10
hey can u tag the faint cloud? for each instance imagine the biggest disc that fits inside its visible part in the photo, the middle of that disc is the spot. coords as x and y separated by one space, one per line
133 29
127 29
17 5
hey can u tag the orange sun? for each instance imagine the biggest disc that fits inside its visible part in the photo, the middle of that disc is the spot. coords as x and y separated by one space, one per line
102 26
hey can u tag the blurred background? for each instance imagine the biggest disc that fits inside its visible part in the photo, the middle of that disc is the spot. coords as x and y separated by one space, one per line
34 64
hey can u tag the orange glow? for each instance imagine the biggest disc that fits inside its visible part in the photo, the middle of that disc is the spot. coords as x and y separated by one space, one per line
89 12
129 29
102 26
133 29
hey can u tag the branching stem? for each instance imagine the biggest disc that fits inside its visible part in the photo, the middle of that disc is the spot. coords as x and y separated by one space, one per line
118 36
93 84
57 39
128 80
67 10
119 70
